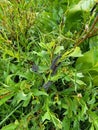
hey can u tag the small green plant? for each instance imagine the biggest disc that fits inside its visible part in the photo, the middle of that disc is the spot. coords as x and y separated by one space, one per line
48 65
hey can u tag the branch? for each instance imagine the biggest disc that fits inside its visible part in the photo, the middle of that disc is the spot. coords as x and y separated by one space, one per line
93 33
55 64
89 33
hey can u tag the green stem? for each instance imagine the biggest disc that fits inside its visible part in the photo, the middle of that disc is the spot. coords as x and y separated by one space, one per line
10 114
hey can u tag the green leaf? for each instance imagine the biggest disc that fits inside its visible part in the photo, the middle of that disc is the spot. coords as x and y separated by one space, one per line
46 116
51 44
56 121
36 92
84 107
83 5
92 127
93 119
26 102
3 91
21 96
77 13
95 80
5 98
80 75
66 123
58 49
76 53
11 126
80 82
89 61
50 116
55 77
76 125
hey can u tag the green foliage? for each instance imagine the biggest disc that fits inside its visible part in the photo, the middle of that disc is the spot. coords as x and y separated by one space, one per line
48 65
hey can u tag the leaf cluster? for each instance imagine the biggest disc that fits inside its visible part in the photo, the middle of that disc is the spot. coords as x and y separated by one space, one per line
48 65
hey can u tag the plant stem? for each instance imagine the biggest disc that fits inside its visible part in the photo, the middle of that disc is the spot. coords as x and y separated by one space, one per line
89 33
10 114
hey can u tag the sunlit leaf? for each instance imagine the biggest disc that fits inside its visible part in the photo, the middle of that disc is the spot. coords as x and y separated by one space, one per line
58 49
21 96
76 53
56 121
26 102
94 119
88 61
46 116
92 127
36 92
11 126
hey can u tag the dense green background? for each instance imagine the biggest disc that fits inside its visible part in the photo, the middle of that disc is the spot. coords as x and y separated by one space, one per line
48 43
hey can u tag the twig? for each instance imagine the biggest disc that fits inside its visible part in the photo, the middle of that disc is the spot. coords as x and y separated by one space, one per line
89 33
93 33
54 65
